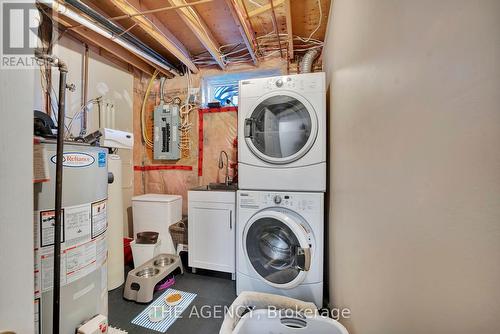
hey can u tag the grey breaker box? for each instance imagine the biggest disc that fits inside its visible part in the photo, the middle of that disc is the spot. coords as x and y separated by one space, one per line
166 132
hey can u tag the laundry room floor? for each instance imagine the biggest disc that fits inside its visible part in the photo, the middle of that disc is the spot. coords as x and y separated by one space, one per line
214 292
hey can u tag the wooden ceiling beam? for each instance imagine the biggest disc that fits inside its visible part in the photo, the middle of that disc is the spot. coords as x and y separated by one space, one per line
196 24
246 33
106 44
150 24
288 17
161 9
265 8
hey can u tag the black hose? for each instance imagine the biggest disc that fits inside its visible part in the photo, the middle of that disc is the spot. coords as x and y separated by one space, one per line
63 71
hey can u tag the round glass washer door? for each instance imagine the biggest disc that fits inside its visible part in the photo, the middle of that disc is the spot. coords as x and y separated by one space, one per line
277 247
281 128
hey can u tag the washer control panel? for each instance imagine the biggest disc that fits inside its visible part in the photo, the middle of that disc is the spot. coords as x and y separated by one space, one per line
293 201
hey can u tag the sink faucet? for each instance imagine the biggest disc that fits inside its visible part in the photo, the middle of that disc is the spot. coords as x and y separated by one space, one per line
221 165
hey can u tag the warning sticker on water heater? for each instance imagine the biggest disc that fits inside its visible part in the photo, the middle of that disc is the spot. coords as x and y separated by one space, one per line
77 224
38 316
80 261
47 272
47 223
99 222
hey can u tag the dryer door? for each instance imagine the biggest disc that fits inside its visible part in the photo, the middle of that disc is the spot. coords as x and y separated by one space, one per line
276 245
281 128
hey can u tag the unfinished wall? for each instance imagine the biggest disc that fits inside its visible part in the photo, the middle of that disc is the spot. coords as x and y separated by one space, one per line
414 238
219 134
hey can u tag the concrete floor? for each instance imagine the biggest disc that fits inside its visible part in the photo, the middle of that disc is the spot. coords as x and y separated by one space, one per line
214 292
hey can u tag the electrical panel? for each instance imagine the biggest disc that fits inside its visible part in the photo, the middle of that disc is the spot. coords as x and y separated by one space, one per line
166 132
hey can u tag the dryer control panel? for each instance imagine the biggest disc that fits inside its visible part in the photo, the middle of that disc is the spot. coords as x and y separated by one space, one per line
303 83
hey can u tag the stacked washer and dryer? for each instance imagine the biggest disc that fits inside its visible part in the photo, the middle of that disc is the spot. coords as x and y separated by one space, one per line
282 180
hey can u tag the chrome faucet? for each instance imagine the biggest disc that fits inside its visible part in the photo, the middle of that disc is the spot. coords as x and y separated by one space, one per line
221 165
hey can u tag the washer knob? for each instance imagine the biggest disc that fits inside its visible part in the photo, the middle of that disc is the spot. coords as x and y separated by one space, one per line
279 83
277 199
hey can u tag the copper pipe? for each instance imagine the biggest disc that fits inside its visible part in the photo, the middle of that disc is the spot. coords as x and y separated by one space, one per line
276 26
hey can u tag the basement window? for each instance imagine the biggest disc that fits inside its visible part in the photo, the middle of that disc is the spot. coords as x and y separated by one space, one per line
224 88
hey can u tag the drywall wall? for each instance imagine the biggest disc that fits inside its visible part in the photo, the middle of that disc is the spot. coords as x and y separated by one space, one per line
16 201
115 86
106 80
414 238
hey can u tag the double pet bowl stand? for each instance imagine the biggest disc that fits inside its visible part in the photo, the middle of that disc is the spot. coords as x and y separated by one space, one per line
141 281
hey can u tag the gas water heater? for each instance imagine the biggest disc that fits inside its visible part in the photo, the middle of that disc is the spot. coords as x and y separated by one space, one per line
84 290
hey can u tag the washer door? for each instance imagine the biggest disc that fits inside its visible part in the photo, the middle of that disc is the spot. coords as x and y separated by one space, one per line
281 128
276 245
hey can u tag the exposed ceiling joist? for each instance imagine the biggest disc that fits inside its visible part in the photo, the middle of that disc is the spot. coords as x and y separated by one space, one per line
247 35
161 9
111 47
195 23
265 8
288 17
157 30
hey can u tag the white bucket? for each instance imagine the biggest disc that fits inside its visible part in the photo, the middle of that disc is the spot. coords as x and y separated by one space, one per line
142 253
264 321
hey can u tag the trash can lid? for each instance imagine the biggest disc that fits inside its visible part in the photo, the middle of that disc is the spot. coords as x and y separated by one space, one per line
157 198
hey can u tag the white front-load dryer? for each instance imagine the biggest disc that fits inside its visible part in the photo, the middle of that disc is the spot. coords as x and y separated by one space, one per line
279 244
282 133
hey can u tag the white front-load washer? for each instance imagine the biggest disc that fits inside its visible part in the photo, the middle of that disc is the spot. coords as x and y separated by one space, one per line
282 133
279 244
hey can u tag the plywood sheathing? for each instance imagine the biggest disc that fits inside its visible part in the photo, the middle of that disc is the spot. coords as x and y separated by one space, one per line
305 17
108 9
216 14
175 24
156 29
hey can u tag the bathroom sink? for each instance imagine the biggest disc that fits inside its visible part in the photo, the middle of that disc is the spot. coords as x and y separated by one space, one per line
218 187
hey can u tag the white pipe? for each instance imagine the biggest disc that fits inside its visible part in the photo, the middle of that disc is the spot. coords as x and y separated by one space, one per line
63 10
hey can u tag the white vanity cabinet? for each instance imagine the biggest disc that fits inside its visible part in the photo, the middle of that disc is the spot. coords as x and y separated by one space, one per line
212 230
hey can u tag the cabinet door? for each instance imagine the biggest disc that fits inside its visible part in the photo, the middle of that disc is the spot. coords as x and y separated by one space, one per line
212 236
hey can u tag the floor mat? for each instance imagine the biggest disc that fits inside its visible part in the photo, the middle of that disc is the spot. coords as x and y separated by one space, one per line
171 312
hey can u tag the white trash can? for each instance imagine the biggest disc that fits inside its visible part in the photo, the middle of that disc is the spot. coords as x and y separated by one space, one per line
156 212
142 253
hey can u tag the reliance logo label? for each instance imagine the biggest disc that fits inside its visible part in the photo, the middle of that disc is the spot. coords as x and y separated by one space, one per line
75 159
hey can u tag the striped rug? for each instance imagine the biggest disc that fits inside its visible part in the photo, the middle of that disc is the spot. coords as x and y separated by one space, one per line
171 312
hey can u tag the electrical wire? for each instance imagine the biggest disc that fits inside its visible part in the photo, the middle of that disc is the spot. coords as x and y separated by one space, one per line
145 138
79 113
319 23
255 3
185 123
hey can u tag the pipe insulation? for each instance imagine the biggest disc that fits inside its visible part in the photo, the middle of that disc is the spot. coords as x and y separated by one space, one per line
308 60
124 40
